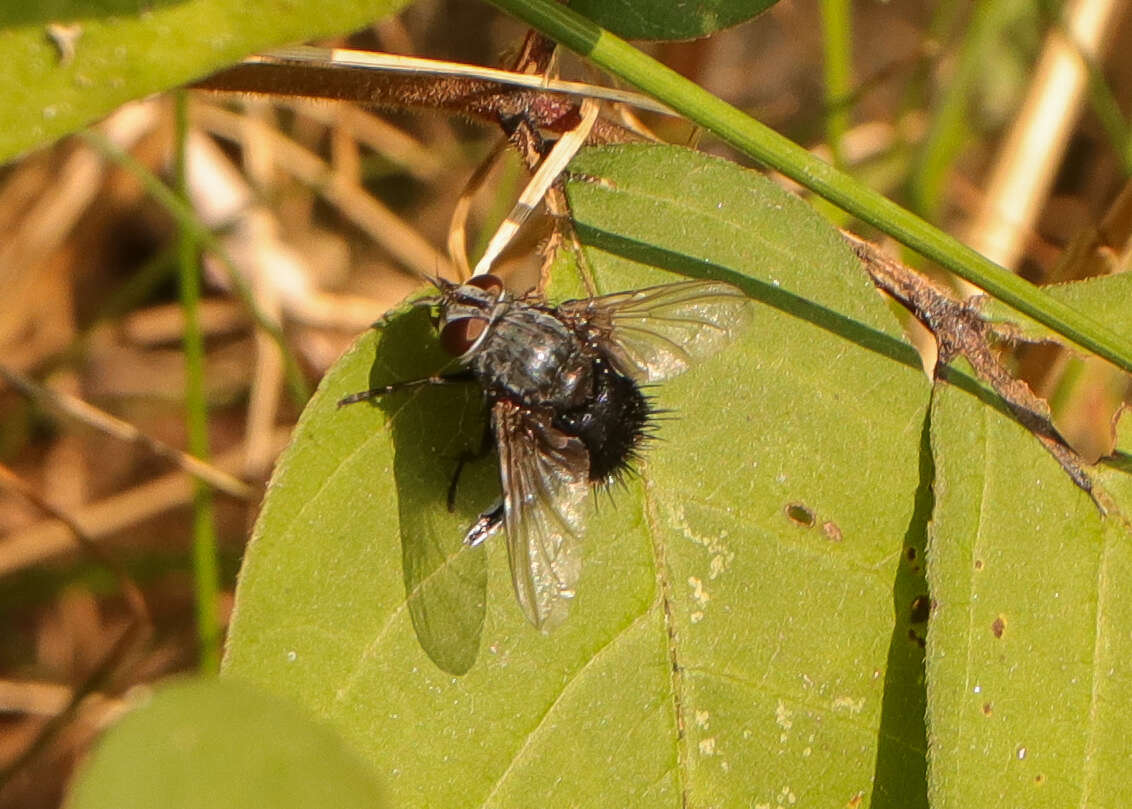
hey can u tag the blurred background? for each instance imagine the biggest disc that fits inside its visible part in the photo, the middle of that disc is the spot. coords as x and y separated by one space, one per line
982 117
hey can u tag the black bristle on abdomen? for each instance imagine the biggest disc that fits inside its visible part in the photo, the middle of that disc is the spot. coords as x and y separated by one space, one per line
613 423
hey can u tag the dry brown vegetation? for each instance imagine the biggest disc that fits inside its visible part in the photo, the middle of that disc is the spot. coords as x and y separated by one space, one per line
337 206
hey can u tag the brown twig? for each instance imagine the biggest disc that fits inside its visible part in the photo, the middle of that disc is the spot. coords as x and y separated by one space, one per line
960 330
480 99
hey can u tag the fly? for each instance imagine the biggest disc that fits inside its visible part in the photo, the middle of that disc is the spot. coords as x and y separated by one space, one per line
562 387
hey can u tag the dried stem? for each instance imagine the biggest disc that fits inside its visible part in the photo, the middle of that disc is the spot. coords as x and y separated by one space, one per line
960 330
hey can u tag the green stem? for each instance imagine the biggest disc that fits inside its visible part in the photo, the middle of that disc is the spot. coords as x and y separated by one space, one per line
837 67
770 148
206 575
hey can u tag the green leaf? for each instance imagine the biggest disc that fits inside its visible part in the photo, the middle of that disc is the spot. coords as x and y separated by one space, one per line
732 635
1123 431
663 19
216 744
126 50
334 496
1107 298
1029 689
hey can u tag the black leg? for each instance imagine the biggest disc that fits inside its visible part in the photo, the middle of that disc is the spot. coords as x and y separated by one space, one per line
467 456
485 525
441 379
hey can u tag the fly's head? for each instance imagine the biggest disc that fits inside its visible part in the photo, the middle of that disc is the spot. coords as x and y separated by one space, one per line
467 312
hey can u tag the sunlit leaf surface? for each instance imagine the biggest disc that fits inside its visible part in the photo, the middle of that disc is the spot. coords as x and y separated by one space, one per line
222 745
735 638
1030 690
126 50
663 19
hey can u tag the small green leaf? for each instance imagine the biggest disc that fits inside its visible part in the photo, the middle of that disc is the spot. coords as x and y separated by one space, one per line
1029 690
222 745
127 50
731 637
663 19
1108 299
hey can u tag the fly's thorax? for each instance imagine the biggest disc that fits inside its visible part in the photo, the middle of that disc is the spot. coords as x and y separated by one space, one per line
519 348
528 355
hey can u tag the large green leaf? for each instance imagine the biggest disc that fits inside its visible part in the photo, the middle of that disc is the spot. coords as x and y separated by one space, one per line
734 638
663 19
222 745
1029 685
127 50
349 487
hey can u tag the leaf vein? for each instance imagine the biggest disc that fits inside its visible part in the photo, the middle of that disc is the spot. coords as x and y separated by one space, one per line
576 677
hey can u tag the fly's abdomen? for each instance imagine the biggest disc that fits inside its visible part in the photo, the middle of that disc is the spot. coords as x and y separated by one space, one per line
612 423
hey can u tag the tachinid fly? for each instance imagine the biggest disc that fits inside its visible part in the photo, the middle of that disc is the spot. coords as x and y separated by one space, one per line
562 384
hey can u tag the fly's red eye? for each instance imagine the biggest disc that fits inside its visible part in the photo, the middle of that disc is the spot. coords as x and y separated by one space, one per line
460 335
488 283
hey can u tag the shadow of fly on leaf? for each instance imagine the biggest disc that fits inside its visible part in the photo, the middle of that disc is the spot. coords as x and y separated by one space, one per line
565 413
431 428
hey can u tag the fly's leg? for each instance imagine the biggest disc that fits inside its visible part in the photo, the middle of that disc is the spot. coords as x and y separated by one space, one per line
485 525
467 456
441 379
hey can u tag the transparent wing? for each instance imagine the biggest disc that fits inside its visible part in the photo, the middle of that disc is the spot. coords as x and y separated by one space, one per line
545 477
656 333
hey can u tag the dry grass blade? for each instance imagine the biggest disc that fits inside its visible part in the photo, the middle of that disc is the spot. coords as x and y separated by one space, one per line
100 420
1033 150
135 633
386 228
458 225
415 66
548 171
51 538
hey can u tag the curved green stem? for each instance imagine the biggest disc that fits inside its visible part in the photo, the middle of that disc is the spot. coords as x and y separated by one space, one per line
768 147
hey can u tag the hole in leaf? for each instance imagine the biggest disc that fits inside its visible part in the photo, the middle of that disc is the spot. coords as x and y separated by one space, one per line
921 609
800 515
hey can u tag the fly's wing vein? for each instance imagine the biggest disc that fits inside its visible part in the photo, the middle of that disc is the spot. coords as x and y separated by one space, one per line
656 333
545 480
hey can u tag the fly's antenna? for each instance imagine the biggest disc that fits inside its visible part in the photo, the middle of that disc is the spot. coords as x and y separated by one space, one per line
544 177
442 284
